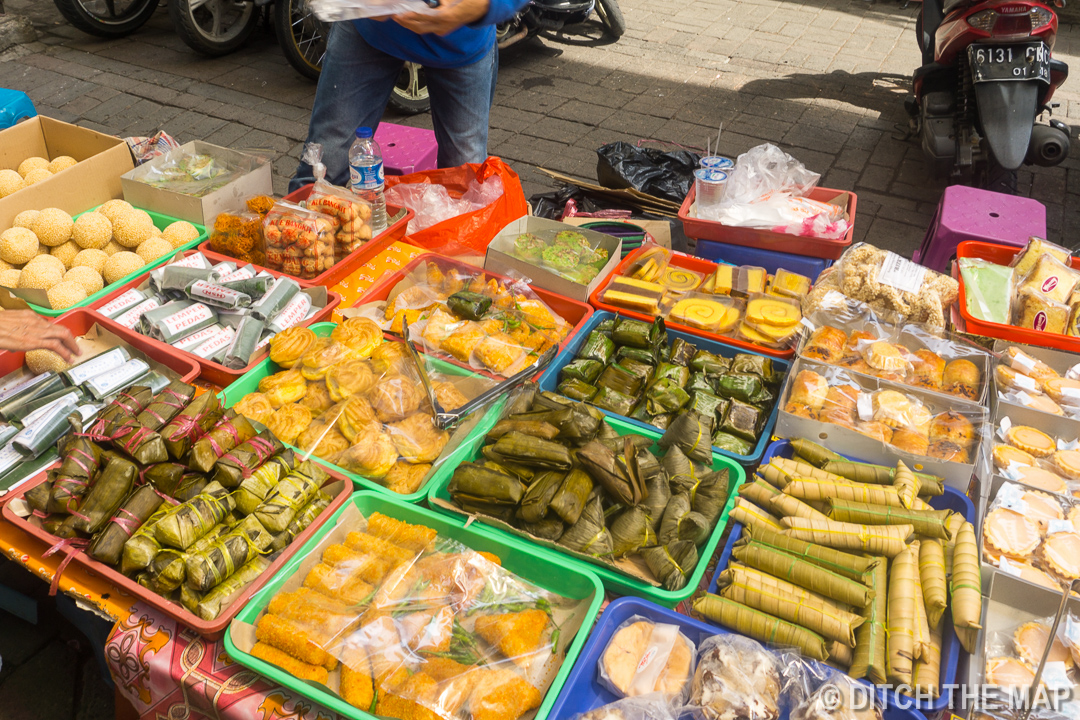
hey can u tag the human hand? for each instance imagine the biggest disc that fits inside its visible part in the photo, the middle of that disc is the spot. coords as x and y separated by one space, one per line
445 19
22 330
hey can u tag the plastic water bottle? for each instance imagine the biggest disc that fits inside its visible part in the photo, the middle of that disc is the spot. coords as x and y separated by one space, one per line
366 175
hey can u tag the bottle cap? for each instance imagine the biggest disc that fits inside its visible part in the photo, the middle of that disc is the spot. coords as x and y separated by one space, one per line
363 132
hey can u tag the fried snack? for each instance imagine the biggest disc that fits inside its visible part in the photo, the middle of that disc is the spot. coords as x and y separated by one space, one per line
417 439
412 537
502 694
285 661
313 610
449 397
395 397
361 565
318 360
283 387
360 335
390 358
381 547
357 684
826 345
288 422
293 639
288 346
372 455
352 377
317 398
515 634
809 389
338 585
355 417
321 441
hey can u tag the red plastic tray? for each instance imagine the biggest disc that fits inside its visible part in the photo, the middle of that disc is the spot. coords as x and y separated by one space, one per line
213 372
572 311
350 262
79 320
689 262
1003 255
214 629
767 239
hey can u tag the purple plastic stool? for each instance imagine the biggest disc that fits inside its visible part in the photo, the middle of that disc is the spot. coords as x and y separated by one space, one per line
406 149
970 214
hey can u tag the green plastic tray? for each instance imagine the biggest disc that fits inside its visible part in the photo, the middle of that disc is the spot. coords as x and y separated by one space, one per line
160 222
249 383
613 580
540 567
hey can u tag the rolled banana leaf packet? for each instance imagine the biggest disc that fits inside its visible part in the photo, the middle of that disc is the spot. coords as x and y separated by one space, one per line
165 477
166 405
178 278
142 546
254 489
238 464
209 568
165 572
672 564
761 626
218 296
190 521
128 404
108 545
929 523
295 490
870 638
105 497
305 517
295 312
211 604
280 293
232 430
247 283
143 445
81 461
191 423
850 566
801 572
191 484
244 343
39 496
128 374
45 429
181 323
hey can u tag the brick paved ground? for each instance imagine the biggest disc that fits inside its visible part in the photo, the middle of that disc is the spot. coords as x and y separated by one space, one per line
823 78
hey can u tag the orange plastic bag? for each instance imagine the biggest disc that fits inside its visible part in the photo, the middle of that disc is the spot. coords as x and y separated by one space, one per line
470 233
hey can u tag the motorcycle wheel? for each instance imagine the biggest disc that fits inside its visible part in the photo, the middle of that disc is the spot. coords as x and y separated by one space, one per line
611 17
410 93
301 35
213 27
101 18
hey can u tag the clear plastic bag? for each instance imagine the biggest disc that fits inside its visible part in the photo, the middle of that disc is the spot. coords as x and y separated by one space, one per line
1019 522
989 289
567 253
196 174
432 203
645 707
643 657
335 10
764 171
298 241
736 677
839 698
351 214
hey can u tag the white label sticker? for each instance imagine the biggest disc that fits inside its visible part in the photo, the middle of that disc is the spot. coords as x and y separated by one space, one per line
197 338
865 404
1069 445
101 364
1023 362
131 318
209 348
127 373
1055 676
1025 383
1003 427
901 273
1012 497
1059 526
210 291
1007 567
243 273
188 317
293 313
1073 373
1072 630
198 261
128 300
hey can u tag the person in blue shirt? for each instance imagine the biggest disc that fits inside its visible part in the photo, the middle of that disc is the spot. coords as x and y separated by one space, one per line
456 46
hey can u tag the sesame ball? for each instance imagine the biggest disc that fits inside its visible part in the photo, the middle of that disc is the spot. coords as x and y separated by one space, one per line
36 176
25 219
112 247
113 209
65 294
120 265
93 259
10 278
39 277
92 230
133 228
154 248
30 164
39 361
88 277
53 227
62 162
47 260
18 246
6 265
180 233
66 252
10 182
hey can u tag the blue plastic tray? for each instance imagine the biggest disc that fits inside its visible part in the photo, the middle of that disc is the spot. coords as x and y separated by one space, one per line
950 646
768 259
550 379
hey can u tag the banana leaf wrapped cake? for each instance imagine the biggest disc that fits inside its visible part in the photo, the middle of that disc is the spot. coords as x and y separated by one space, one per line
628 367
556 471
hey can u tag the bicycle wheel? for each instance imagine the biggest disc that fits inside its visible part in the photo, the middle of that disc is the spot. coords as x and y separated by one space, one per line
410 94
301 35
213 27
107 18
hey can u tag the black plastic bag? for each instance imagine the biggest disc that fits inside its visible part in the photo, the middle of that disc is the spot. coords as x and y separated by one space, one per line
665 174
552 204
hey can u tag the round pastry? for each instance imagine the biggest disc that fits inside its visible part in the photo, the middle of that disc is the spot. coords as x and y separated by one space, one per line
1022 362
860 339
1039 478
1005 456
321 441
255 406
1063 390
1008 672
625 654
390 358
1009 533
395 398
837 416
288 346
910 441
417 439
1034 575
891 408
952 426
1012 380
1034 442
406 478
809 388
449 397
1060 554
927 369
372 455
882 355
354 416
919 419
948 450
1041 403
352 377
318 360
800 410
896 376
842 396
317 399
876 430
1042 508
1068 463
284 387
1030 641
962 377
360 334
288 422
855 363
825 345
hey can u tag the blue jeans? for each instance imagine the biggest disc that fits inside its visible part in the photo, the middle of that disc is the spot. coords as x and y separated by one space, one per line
355 86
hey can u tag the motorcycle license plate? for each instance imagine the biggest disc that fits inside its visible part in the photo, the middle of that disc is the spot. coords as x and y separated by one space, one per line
1023 61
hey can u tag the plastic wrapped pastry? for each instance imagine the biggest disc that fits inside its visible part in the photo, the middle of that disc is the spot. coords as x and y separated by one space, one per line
670 664
736 679
288 347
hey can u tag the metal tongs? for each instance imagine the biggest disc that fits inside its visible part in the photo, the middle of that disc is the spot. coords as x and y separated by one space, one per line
444 419
1032 690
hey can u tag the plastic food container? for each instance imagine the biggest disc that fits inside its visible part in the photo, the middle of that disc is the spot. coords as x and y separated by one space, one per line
249 383
614 581
215 372
545 569
215 628
160 222
572 311
719 252
704 267
950 646
1003 255
348 265
80 320
550 381
701 229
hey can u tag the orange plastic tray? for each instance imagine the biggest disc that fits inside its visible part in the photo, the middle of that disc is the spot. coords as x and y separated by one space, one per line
689 262
215 628
213 372
350 262
1003 255
701 229
79 320
572 311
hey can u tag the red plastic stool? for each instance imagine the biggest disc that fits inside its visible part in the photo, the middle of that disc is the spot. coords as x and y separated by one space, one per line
966 213
406 149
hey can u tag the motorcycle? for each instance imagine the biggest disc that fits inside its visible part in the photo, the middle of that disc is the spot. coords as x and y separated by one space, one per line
987 76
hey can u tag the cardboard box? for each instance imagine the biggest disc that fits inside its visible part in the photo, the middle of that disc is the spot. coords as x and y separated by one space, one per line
500 257
102 159
856 445
199 210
